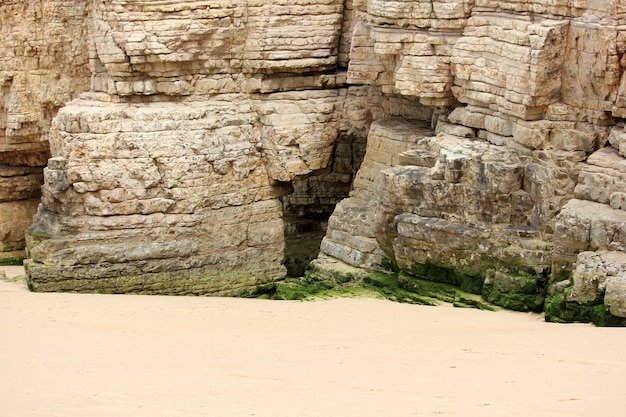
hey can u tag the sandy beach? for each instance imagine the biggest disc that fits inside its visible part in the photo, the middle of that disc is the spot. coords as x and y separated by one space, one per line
108 355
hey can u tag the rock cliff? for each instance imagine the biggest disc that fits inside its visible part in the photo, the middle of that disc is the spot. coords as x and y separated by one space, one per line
167 175
193 144
516 194
43 65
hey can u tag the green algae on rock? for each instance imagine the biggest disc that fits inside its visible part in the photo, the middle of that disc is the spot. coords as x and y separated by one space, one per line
347 281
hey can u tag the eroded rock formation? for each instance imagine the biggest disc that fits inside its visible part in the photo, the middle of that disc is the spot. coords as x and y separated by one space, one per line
210 130
517 178
167 176
43 65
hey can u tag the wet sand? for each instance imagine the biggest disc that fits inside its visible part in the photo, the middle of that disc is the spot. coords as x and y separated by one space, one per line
124 355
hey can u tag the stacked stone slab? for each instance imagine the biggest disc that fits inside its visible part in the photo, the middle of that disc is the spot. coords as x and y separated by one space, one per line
146 48
167 176
405 48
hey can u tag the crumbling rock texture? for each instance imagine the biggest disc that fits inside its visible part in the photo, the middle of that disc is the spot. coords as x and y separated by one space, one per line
192 139
43 65
167 173
522 171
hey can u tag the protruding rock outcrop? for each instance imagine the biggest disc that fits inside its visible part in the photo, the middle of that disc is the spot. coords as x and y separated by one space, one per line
167 176
516 180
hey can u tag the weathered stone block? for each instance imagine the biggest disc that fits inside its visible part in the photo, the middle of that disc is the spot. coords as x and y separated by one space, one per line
594 293
603 178
592 69
509 65
615 296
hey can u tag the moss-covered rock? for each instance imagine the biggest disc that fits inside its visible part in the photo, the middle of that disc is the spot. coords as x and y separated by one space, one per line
467 282
443 292
515 292
325 268
401 287
11 261
591 292
559 310
106 279
387 284
516 301
300 289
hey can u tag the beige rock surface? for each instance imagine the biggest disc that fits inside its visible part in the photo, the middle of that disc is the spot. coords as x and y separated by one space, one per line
351 237
540 92
167 175
43 64
593 276
483 119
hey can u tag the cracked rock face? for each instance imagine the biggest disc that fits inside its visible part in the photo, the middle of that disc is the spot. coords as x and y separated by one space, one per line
516 177
181 134
166 177
43 64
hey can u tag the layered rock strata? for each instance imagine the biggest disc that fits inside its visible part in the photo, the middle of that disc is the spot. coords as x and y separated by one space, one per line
492 135
518 181
168 176
43 64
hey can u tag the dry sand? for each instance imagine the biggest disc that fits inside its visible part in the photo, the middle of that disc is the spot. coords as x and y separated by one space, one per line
107 355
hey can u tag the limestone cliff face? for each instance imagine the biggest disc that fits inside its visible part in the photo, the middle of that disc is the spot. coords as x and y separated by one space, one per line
43 65
492 133
520 177
204 123
166 175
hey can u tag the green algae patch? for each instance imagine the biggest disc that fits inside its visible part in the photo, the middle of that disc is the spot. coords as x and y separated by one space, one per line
519 288
376 285
516 301
559 310
298 289
11 262
443 292
398 287
331 278
388 286
515 292
445 275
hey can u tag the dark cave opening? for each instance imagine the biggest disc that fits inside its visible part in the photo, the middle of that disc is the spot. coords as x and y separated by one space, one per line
306 211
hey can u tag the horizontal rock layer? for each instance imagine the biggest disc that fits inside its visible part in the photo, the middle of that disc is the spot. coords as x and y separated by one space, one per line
146 194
